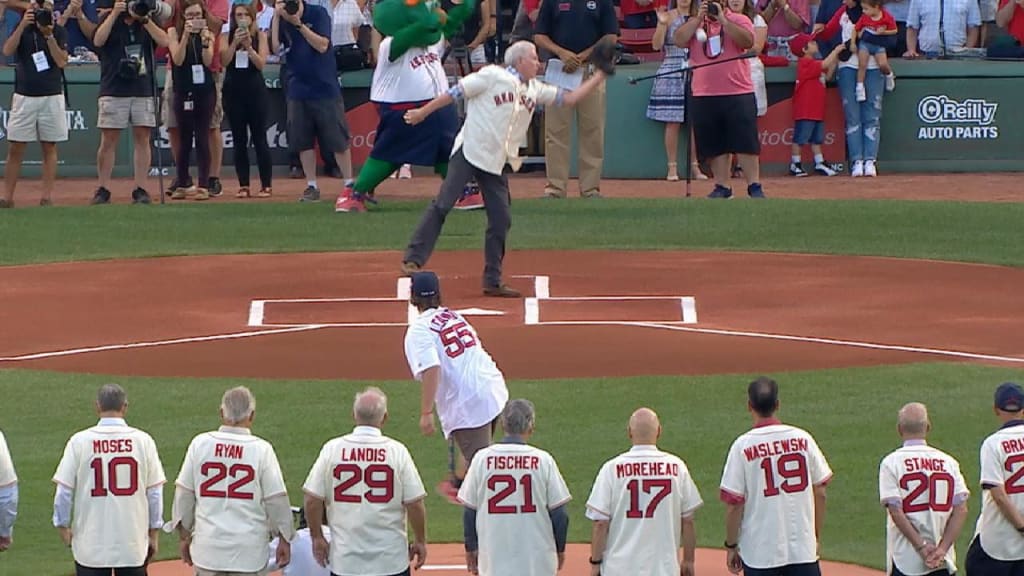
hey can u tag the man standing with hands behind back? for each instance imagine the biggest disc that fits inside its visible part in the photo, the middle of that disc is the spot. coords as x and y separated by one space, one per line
570 30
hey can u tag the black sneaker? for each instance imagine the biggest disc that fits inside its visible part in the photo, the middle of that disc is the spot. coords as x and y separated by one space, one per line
102 196
215 189
795 169
139 196
310 194
720 192
755 190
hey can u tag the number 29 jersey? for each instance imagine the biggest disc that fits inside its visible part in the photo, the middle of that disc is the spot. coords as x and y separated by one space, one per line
1002 464
471 390
771 470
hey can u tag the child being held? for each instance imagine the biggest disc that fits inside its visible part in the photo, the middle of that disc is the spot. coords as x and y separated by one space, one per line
874 32
809 102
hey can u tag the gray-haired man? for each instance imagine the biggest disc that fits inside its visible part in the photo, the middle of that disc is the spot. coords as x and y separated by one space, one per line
515 521
231 498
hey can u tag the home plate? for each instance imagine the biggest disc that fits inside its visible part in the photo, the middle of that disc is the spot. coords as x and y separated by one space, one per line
480 312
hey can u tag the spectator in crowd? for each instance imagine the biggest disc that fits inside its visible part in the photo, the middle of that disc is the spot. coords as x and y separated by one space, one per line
1011 17
641 13
78 17
473 36
723 107
960 22
313 95
809 103
874 31
126 42
747 8
346 18
826 10
786 19
987 11
525 21
570 31
8 496
246 101
668 98
900 10
192 53
37 105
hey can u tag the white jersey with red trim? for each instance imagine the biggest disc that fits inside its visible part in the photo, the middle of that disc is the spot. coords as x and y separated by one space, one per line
7 474
109 468
416 76
513 487
926 484
644 494
1002 464
772 470
232 473
471 390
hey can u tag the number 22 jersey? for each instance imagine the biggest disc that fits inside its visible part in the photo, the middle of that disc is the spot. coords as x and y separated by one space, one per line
471 390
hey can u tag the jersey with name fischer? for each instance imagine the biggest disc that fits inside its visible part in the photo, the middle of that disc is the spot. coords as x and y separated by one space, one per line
416 76
232 473
1002 464
471 391
926 484
772 470
646 493
109 468
513 487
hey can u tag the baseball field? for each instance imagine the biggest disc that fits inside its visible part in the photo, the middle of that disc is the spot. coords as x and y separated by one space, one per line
857 296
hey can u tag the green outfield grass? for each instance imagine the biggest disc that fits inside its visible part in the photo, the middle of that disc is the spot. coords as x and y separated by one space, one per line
852 413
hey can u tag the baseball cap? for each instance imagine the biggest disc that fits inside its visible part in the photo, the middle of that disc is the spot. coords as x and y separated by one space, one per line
1010 397
799 43
425 284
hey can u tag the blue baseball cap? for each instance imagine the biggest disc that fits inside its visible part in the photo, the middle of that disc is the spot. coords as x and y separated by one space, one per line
425 285
1010 397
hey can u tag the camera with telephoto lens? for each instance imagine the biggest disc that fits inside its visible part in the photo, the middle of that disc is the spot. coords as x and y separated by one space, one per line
43 16
291 7
153 9
713 9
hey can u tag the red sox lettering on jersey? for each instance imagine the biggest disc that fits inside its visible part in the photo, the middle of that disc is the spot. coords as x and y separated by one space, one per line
510 97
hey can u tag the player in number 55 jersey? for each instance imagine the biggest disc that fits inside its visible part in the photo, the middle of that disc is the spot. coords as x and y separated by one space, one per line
458 375
998 545
113 474
774 489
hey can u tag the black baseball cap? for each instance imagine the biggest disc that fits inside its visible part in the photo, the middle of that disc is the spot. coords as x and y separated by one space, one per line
425 285
1010 397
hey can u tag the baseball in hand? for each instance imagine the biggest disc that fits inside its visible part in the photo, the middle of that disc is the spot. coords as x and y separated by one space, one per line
702 36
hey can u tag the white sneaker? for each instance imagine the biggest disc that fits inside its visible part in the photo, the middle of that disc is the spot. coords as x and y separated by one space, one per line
890 82
824 169
862 95
869 168
858 169
405 172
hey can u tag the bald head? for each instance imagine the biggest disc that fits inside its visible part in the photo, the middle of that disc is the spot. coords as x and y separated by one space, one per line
913 420
644 427
370 407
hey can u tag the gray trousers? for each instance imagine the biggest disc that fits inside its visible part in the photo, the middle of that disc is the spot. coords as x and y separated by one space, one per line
493 189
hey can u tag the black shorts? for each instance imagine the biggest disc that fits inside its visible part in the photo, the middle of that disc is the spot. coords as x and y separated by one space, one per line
978 563
426 144
808 569
86 571
725 125
896 572
318 120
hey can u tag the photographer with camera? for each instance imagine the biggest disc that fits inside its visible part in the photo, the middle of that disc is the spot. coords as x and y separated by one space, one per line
724 107
37 106
125 40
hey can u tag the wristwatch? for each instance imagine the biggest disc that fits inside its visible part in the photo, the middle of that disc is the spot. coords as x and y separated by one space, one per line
596 562
730 546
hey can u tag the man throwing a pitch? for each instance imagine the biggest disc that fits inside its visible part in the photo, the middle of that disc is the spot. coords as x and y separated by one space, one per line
445 354
499 106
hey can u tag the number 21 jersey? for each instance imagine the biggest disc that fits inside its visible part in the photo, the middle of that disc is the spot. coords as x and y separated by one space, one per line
471 390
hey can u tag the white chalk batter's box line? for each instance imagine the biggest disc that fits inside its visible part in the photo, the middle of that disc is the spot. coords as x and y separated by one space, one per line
531 307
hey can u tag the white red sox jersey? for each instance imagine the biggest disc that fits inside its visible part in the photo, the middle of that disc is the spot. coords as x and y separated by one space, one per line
232 473
1002 464
471 390
109 468
512 487
499 109
926 484
644 493
366 479
772 470
416 76
7 475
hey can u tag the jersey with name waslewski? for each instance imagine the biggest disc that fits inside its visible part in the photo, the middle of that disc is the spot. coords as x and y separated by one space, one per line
366 479
927 484
499 109
646 493
1002 464
772 470
416 76
7 474
471 390
232 473
513 487
109 468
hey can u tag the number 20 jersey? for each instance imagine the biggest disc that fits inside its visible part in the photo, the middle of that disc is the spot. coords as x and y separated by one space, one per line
771 470
471 390
1002 464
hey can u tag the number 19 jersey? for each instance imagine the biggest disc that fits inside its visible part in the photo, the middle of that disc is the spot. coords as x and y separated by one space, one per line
471 390
1002 464
771 470
512 487
646 493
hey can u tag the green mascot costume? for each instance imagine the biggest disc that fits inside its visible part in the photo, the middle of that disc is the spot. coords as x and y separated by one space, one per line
409 74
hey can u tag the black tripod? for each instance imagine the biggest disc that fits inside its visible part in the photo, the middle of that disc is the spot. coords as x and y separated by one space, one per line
156 108
687 72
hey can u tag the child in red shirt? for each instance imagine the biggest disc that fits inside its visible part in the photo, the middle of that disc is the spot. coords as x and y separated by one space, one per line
875 31
809 103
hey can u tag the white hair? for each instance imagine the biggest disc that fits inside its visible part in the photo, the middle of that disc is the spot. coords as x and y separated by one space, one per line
370 407
238 404
518 417
517 51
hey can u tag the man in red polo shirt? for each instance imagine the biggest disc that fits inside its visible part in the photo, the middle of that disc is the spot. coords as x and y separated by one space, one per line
641 13
1011 17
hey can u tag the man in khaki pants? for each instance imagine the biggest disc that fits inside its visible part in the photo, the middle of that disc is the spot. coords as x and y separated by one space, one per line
569 30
